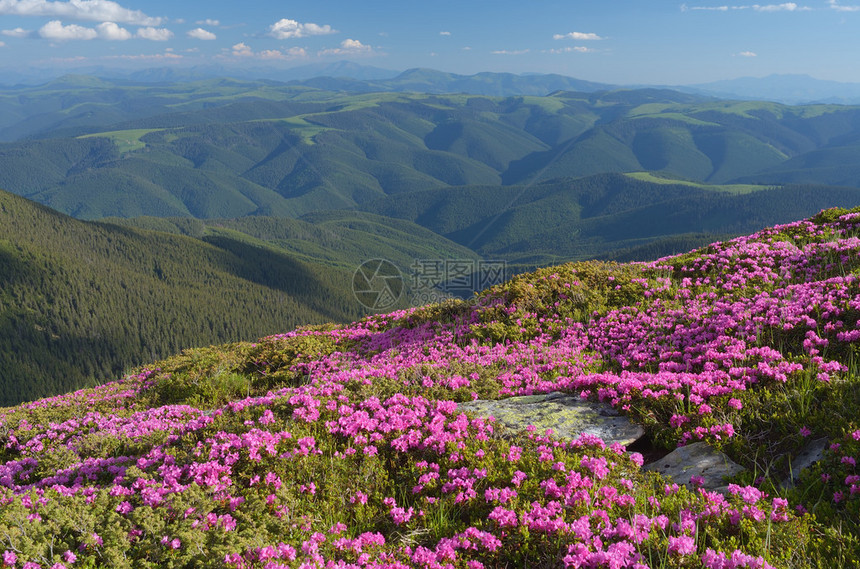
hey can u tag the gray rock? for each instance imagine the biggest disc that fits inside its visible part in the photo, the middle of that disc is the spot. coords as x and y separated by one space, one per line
567 415
697 459
808 455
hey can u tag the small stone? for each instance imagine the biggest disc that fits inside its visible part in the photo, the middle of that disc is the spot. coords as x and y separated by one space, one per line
568 416
697 459
808 455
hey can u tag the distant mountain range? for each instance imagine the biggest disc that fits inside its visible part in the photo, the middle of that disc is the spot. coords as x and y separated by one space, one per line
226 148
340 76
788 89
348 76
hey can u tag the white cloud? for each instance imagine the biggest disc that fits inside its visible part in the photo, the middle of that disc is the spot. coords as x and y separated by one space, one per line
509 52
16 33
88 10
111 31
574 49
354 45
2 44
349 47
270 54
579 36
784 7
292 53
286 29
201 34
748 54
243 50
154 34
76 59
55 30
444 33
834 4
684 8
147 57
208 22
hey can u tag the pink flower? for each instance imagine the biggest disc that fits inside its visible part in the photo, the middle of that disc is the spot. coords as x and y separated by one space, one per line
683 545
267 418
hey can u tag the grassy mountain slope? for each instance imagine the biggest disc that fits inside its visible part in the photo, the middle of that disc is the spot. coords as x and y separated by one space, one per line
75 102
830 165
84 300
339 239
228 152
599 215
345 444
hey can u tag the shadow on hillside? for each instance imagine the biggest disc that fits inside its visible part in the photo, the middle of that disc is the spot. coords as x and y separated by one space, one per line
13 269
323 289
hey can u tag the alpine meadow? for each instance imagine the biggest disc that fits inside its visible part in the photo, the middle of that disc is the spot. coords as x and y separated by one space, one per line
344 285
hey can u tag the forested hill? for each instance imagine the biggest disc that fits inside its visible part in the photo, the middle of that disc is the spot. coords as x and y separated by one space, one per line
229 149
83 299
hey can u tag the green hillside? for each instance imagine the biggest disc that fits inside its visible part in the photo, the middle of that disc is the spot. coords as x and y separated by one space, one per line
604 215
230 149
75 104
82 301
339 239
636 216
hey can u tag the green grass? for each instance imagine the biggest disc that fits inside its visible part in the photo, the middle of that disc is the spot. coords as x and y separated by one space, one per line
125 140
734 189
744 108
300 126
677 116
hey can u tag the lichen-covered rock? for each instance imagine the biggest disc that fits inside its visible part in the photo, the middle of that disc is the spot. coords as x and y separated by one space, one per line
699 460
567 415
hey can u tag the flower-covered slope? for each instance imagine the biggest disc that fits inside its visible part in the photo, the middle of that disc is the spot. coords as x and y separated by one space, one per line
343 446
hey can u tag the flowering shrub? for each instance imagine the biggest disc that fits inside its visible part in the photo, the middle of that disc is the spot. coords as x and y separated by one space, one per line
343 446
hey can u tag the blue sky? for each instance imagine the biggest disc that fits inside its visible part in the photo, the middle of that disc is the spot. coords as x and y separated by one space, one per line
615 41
